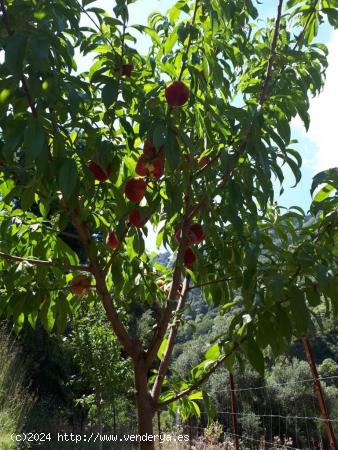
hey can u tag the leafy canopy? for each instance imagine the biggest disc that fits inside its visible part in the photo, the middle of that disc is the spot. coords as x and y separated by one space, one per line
247 80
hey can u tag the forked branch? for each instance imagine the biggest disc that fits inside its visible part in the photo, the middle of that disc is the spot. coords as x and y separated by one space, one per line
171 341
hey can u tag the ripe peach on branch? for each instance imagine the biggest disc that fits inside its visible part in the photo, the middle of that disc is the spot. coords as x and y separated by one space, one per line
189 258
195 234
177 94
112 241
151 163
138 218
99 172
80 285
135 189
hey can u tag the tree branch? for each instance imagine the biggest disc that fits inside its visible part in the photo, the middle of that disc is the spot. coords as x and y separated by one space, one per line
198 286
40 262
271 61
186 50
202 380
167 313
155 393
132 346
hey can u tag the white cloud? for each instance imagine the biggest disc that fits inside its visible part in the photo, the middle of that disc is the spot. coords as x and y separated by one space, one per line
323 114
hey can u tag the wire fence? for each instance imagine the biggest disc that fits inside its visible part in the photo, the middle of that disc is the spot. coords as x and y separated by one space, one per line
264 422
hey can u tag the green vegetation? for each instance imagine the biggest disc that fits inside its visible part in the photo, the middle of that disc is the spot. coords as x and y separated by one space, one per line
16 400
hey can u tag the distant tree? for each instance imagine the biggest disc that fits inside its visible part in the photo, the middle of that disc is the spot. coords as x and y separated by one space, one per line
105 376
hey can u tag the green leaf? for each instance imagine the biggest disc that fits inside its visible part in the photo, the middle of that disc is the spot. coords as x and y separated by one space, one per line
117 273
323 193
15 49
47 317
68 178
150 31
175 11
34 140
171 41
172 150
62 313
159 136
254 355
110 93
300 314
213 352
162 349
196 396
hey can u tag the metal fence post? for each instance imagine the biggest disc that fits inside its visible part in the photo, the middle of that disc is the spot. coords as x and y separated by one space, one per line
328 424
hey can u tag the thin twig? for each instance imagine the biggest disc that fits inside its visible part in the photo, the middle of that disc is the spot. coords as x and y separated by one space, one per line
271 61
187 49
198 286
41 262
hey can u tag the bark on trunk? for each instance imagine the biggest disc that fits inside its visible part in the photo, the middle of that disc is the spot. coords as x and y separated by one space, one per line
145 410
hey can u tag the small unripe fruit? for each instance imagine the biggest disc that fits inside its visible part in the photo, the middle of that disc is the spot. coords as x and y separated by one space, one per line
112 241
189 258
79 285
127 69
136 219
177 94
98 172
135 189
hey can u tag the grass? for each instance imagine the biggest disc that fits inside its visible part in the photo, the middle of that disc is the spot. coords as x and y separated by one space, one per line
15 398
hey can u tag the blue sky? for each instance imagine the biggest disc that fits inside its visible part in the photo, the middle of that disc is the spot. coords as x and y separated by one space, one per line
318 147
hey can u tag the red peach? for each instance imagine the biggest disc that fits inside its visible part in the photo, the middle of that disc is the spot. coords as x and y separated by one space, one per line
177 94
136 219
142 167
112 241
157 169
194 236
196 233
98 172
135 189
127 69
79 285
189 257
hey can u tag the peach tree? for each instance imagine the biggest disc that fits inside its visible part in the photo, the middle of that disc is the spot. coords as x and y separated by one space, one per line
190 140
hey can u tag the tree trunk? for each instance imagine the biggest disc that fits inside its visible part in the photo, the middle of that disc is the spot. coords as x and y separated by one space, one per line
145 410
